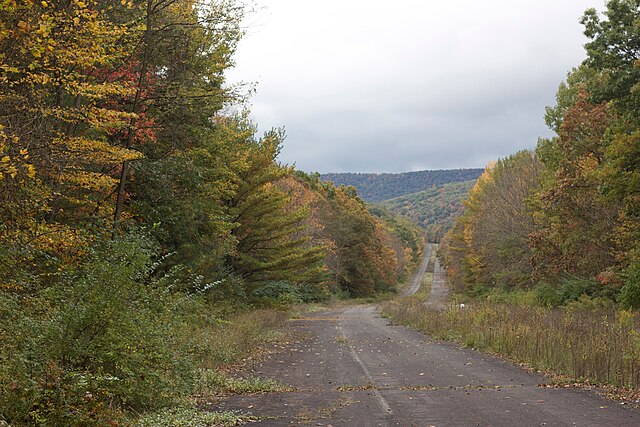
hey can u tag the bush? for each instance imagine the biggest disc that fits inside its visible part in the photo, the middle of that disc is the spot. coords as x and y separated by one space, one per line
512 296
279 292
630 293
285 293
103 337
571 289
190 417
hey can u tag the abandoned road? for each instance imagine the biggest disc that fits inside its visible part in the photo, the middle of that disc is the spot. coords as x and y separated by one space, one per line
351 367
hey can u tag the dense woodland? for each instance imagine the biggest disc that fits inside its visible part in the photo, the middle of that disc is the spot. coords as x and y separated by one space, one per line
564 219
434 209
377 187
138 205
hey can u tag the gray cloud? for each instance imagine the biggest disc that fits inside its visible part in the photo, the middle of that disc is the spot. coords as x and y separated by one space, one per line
375 86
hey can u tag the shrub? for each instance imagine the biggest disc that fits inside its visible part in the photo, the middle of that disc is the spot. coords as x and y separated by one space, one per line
630 293
279 292
103 337
286 293
190 417
571 289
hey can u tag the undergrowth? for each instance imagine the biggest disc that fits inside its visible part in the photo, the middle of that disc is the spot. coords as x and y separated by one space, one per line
600 346
191 417
211 383
93 345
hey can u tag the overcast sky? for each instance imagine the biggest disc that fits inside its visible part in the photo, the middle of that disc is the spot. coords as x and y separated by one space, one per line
395 86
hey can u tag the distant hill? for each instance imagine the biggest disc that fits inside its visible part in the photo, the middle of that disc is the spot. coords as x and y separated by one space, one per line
434 209
378 187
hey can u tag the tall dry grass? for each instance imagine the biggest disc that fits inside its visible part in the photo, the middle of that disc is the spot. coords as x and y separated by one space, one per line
227 342
602 347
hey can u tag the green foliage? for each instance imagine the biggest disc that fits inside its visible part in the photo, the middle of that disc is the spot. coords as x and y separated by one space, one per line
613 49
104 337
512 296
434 209
191 417
383 186
211 382
270 245
630 293
286 293
181 196
572 289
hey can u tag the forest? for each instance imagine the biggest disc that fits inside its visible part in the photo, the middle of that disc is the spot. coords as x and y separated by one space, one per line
434 209
431 199
377 187
562 222
143 221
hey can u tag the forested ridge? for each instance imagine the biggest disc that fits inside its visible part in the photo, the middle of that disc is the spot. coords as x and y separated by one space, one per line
140 212
434 209
563 220
430 199
376 187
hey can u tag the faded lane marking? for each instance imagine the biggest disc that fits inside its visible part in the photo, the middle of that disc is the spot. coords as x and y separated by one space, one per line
381 400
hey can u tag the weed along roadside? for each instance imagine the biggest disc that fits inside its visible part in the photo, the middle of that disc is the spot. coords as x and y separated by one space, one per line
580 346
225 349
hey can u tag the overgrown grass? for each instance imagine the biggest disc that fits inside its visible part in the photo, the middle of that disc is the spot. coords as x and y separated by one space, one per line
212 383
425 288
191 417
224 343
602 346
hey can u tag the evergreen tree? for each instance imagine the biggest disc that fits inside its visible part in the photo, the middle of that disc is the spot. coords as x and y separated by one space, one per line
269 246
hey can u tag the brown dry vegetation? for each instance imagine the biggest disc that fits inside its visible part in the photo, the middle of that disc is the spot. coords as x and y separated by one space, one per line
599 347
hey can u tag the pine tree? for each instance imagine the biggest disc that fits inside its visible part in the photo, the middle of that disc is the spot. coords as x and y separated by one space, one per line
269 246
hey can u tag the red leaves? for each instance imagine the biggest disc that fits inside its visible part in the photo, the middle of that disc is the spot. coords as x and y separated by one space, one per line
583 129
143 126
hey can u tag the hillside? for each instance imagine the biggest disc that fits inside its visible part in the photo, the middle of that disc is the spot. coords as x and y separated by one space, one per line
378 187
435 209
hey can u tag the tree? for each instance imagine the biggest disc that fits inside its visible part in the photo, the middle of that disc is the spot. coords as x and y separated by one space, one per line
268 244
488 245
182 51
575 224
614 52
191 167
56 121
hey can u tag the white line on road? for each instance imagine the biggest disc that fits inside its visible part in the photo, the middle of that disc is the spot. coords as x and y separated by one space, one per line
381 400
